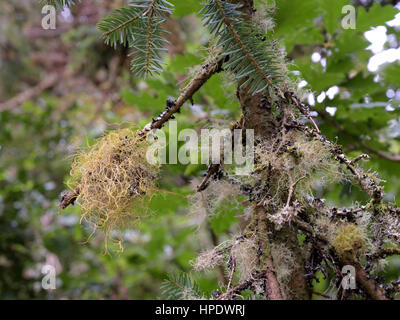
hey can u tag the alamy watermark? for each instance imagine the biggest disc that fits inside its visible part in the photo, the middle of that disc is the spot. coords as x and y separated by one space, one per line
349 20
50 17
49 278
349 277
209 146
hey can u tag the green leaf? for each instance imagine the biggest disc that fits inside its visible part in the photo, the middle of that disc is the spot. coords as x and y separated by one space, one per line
333 13
309 35
374 16
222 222
348 43
294 15
181 63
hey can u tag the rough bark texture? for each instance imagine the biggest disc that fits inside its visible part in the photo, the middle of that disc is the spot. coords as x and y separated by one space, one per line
273 290
258 116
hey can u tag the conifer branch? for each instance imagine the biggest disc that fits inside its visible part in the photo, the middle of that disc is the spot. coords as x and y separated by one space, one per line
187 93
172 107
241 44
180 286
251 60
139 26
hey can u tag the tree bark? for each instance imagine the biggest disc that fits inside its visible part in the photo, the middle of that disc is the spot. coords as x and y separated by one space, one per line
258 116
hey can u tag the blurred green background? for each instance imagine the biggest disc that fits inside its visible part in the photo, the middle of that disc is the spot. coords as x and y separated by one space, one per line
61 89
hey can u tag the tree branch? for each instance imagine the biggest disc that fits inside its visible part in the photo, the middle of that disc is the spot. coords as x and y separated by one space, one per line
362 277
187 93
274 292
368 184
172 107
386 252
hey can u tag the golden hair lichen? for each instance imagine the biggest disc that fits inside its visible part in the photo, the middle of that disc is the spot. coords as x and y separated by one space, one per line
115 182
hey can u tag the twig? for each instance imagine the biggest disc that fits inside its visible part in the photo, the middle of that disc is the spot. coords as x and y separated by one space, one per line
187 93
345 212
305 110
362 277
169 192
233 269
239 288
360 157
213 168
365 181
292 187
172 107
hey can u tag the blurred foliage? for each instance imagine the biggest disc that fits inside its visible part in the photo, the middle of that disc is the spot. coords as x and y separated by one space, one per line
96 92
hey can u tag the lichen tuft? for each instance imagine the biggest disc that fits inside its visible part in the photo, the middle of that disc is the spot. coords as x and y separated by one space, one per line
349 241
114 181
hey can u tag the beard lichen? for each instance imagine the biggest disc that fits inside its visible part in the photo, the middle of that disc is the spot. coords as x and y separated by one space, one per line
219 195
292 161
212 258
114 181
245 254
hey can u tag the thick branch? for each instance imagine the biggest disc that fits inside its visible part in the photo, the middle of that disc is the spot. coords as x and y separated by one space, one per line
367 283
69 198
386 252
274 292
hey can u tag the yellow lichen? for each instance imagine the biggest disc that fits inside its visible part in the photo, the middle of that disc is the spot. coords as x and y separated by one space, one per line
113 179
349 241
